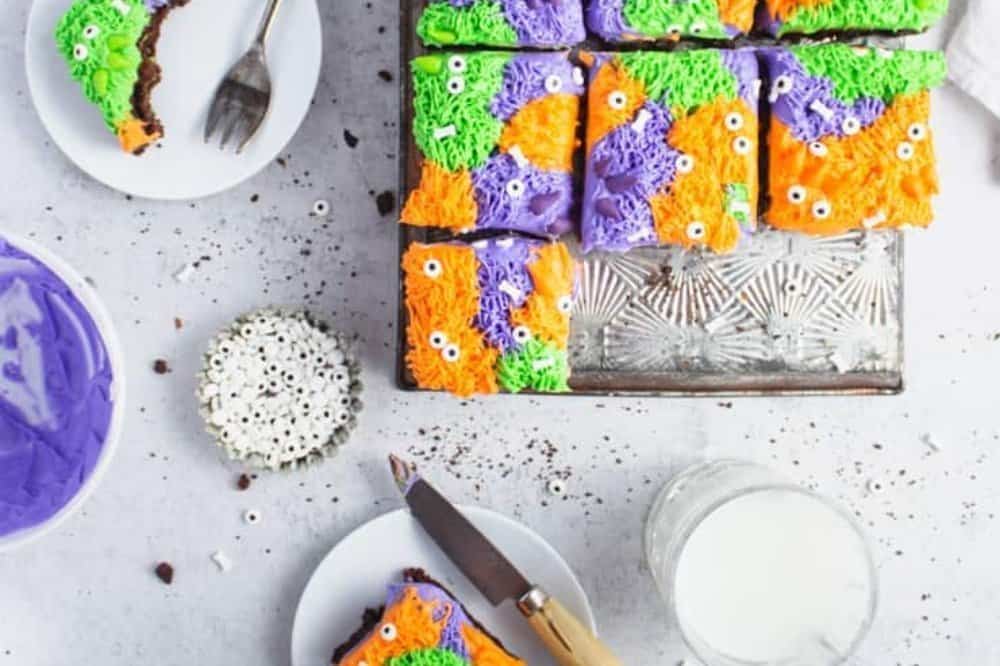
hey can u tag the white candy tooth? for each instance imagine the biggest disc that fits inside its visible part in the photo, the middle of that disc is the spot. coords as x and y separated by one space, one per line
518 155
543 364
511 290
121 6
822 109
641 119
445 132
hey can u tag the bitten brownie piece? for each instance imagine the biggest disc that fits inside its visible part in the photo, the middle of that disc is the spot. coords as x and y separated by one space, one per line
631 20
530 23
809 17
491 315
421 624
497 132
850 144
671 150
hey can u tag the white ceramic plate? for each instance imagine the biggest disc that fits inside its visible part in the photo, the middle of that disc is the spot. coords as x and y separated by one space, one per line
355 574
88 297
199 43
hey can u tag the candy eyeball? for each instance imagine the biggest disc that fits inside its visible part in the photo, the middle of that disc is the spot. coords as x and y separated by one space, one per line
818 149
696 230
734 121
617 100
456 85
783 85
822 209
457 64
451 353
321 208
437 340
742 145
515 188
565 304
905 151
433 268
388 632
674 31
80 52
851 126
797 194
698 27
553 83
522 334
578 76
91 32
685 164
917 131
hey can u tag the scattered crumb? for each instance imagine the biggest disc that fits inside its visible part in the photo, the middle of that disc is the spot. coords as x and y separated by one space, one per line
165 572
222 561
930 442
385 75
386 202
350 139
161 367
178 323
254 198
243 482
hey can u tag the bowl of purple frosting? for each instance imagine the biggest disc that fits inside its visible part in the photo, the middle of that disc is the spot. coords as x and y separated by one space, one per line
61 391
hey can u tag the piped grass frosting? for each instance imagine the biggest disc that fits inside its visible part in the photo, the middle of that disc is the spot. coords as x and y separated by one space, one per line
850 144
497 133
806 17
631 20
671 150
422 624
506 23
488 316
110 47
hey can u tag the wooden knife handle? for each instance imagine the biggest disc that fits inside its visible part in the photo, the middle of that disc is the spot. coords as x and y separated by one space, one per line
566 638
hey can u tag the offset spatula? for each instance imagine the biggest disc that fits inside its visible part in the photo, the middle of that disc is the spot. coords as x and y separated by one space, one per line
566 638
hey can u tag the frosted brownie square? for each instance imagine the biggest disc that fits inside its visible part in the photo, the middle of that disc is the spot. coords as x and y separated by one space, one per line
850 144
810 17
632 20
508 23
671 150
497 134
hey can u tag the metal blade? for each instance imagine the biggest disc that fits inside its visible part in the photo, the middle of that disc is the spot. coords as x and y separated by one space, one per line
466 546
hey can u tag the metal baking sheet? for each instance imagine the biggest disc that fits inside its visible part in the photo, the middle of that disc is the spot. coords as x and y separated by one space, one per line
788 314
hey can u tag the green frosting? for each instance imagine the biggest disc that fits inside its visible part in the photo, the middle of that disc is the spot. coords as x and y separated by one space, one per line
738 202
437 106
427 657
684 80
536 365
98 42
481 23
873 73
659 18
895 15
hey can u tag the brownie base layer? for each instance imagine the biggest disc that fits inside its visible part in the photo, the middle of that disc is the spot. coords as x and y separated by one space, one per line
371 617
150 72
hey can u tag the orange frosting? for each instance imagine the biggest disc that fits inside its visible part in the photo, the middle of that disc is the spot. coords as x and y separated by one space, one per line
441 305
738 13
863 179
782 9
693 211
484 651
443 199
133 136
602 115
552 273
545 131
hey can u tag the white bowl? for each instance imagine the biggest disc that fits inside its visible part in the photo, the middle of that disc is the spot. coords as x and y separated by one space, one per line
88 297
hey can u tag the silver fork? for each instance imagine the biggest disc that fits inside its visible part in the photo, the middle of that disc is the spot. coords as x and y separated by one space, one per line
244 96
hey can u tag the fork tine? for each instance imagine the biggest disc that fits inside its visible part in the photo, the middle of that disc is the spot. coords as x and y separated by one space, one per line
215 114
253 126
234 120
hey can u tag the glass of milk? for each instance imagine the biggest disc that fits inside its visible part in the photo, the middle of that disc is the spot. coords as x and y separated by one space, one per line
759 571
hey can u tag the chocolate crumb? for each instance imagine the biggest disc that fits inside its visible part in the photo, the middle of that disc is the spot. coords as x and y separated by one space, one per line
178 323
243 482
281 162
254 198
350 139
386 202
165 572
161 367
385 75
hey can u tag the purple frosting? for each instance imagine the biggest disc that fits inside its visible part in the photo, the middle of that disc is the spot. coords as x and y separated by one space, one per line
153 5
504 284
55 404
524 80
543 206
546 22
624 169
797 108
451 634
606 19
746 70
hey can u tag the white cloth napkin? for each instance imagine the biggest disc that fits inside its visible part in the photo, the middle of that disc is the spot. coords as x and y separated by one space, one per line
974 53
